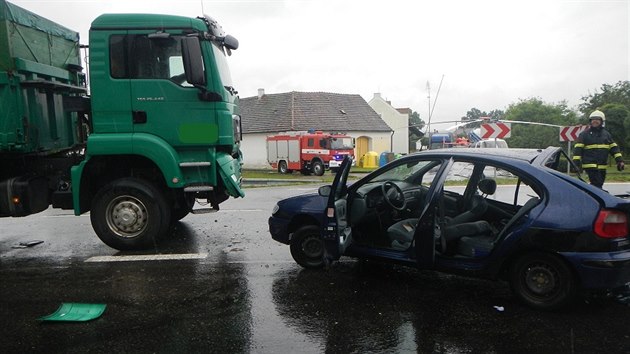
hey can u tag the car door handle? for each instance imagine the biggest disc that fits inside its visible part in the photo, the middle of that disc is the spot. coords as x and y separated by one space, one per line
139 117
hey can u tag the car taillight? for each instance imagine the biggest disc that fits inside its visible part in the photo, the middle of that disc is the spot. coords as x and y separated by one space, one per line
611 224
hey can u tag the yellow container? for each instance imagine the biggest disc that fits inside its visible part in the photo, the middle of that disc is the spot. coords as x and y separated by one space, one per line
369 160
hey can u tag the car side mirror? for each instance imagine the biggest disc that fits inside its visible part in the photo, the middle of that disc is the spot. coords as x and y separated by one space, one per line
324 191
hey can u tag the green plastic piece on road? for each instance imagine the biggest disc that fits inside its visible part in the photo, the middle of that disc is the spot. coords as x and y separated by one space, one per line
69 311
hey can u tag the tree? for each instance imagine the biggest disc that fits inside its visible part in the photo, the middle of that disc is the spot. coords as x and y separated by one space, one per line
476 114
415 129
535 110
614 101
617 93
618 123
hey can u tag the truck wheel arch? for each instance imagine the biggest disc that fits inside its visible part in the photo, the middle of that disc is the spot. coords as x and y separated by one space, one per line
97 171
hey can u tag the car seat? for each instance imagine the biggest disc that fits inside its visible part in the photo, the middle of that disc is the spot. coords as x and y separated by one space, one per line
481 245
401 233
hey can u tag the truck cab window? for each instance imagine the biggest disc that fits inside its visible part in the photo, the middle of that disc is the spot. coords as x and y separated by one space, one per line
118 57
141 57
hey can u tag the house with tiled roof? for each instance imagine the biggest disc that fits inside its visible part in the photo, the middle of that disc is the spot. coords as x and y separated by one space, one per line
269 114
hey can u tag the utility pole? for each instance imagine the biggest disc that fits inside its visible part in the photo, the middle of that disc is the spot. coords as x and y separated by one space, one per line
429 119
431 108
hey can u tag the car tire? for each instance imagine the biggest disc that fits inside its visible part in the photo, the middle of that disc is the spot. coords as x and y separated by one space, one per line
130 214
318 168
307 247
282 167
543 281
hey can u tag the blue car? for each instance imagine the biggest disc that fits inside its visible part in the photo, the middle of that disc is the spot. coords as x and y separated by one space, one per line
490 213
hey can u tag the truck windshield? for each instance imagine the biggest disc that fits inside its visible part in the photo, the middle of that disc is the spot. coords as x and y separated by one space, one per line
222 65
341 143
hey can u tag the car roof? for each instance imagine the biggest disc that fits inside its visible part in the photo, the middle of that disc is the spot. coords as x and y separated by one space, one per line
528 155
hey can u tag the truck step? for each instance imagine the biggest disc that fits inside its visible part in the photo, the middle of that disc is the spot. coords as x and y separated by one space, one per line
198 189
204 210
195 164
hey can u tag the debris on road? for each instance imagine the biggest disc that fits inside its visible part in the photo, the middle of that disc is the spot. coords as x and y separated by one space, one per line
27 244
76 312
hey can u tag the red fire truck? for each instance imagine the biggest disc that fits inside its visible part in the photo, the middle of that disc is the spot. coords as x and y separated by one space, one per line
311 152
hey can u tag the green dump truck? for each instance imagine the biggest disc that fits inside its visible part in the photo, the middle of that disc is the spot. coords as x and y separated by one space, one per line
156 129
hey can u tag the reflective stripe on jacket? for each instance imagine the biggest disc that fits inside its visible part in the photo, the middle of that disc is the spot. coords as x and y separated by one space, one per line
593 147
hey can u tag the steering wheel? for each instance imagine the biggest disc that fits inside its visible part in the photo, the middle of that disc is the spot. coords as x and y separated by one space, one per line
394 196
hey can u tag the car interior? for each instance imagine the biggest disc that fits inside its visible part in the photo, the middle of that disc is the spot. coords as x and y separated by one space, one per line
469 217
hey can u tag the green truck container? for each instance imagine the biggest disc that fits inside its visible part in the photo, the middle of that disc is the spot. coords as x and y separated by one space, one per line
156 129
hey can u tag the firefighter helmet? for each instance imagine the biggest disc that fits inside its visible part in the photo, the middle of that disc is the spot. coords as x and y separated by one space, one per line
597 115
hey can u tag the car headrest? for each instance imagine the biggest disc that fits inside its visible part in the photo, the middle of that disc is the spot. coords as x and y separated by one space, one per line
487 186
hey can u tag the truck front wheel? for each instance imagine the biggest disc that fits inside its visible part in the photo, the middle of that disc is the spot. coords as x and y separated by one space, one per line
130 214
318 168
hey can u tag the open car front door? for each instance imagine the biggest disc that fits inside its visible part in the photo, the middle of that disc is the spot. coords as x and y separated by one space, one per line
336 232
428 232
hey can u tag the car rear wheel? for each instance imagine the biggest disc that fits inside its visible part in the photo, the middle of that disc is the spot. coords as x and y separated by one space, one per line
543 281
307 247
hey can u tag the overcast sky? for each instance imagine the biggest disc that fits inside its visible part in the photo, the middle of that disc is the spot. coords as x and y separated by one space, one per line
489 53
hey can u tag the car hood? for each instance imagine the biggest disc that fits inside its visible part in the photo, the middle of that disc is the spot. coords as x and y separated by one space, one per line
304 203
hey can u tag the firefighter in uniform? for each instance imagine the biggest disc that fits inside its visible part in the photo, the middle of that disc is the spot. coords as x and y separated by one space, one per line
592 149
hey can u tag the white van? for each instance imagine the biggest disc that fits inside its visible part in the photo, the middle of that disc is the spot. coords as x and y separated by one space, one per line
490 143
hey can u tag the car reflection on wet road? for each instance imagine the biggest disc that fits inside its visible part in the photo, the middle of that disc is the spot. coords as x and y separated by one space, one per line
241 292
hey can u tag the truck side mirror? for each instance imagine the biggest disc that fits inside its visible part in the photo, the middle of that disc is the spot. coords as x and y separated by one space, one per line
193 61
230 42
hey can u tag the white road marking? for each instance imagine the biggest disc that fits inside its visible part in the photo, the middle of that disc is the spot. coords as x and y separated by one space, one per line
148 257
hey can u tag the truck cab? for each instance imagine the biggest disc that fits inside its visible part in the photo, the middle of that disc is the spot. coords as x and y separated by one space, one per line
159 129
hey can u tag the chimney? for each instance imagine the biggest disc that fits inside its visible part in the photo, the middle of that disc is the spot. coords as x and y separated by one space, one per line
261 93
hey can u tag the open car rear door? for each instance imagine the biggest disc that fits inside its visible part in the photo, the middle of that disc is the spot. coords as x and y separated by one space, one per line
428 232
336 232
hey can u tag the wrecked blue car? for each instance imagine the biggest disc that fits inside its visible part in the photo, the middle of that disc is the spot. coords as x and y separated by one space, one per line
492 213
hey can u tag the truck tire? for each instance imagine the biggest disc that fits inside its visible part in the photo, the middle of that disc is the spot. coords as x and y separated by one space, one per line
130 214
318 168
282 167
185 203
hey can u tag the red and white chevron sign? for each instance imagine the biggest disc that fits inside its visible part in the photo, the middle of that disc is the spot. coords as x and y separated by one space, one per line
496 130
571 133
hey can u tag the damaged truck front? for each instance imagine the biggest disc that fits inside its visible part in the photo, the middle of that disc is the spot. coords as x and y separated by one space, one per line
157 128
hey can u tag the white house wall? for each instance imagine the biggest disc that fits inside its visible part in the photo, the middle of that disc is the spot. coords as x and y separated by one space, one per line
397 121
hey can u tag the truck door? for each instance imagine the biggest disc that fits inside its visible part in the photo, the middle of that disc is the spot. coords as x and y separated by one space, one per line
428 232
109 85
336 232
163 103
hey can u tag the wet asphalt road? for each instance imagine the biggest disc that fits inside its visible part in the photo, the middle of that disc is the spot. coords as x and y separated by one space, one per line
243 293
